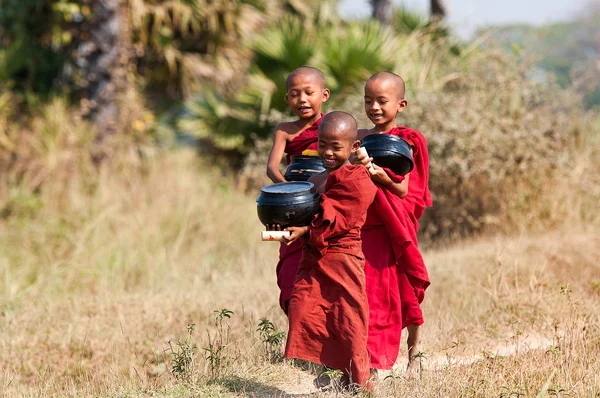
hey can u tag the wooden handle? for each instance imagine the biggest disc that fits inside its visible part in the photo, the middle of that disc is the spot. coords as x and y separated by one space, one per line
273 236
363 151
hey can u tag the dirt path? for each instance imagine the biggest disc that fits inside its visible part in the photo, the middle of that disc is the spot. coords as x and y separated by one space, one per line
302 383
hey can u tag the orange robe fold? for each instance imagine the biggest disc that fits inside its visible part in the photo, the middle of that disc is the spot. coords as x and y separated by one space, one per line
328 310
395 272
290 256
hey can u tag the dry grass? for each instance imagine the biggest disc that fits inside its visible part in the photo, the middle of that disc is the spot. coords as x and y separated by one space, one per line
103 264
99 273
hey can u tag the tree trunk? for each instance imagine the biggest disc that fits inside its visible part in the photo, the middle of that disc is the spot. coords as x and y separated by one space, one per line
438 10
102 59
382 11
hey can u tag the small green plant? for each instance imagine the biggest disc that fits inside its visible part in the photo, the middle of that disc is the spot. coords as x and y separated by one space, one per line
214 352
557 392
271 338
595 285
516 391
334 375
420 356
183 363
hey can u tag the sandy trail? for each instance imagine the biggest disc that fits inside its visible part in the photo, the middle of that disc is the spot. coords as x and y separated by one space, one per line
302 383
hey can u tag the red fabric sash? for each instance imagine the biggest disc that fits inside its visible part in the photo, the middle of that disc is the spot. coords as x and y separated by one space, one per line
419 195
308 139
289 256
395 271
401 216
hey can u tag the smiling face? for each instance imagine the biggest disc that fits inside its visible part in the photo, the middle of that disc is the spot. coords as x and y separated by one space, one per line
384 98
306 93
337 139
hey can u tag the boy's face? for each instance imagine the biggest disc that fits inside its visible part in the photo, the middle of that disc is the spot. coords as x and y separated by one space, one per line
335 147
305 96
383 101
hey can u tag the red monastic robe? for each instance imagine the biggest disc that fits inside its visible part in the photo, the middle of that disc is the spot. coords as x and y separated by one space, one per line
395 272
328 310
290 256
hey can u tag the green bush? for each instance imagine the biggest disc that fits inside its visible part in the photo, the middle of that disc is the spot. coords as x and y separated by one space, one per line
506 152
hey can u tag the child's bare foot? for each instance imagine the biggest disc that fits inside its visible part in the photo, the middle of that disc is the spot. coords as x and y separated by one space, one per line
412 342
413 366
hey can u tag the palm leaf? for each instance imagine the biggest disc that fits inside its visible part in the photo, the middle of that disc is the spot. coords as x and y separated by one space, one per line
280 50
350 57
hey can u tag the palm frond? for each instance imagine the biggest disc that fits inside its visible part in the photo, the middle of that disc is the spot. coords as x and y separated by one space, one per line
349 57
280 50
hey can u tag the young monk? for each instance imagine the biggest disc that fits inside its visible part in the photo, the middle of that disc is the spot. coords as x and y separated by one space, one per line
328 310
306 93
395 272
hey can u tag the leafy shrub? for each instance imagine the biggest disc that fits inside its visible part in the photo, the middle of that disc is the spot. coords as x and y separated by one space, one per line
506 152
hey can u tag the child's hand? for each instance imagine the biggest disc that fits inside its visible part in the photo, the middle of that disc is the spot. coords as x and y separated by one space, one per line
273 227
295 234
379 175
363 159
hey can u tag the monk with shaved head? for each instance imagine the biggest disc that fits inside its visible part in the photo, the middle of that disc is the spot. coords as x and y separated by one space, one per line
328 310
395 272
305 95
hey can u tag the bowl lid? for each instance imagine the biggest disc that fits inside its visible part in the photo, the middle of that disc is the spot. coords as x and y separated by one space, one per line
286 188
384 137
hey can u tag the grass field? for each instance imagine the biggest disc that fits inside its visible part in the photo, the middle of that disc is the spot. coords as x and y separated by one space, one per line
97 279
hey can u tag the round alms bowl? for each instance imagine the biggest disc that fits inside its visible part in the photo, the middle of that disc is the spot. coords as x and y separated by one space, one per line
289 204
302 167
390 152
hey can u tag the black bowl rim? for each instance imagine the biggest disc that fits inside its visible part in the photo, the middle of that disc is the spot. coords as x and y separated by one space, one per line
309 188
291 201
390 137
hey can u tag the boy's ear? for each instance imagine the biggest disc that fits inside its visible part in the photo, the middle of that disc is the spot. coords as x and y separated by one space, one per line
402 105
326 94
286 99
355 146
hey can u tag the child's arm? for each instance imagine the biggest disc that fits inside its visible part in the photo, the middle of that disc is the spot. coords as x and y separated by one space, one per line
279 142
379 175
399 189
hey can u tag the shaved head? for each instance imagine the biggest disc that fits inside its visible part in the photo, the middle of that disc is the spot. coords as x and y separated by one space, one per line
338 122
309 72
392 79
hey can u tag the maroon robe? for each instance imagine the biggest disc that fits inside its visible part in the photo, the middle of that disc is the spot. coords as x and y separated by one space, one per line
395 271
328 310
290 256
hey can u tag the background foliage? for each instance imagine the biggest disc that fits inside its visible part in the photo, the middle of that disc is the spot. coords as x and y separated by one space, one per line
212 73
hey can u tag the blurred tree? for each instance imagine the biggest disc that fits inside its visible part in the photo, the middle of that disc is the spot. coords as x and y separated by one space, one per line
438 10
32 50
382 11
101 58
346 53
406 21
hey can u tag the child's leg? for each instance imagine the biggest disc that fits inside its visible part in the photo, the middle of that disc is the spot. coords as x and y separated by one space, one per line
413 340
412 293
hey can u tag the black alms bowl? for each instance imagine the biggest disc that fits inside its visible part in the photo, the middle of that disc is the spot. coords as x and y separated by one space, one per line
390 152
289 204
303 167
